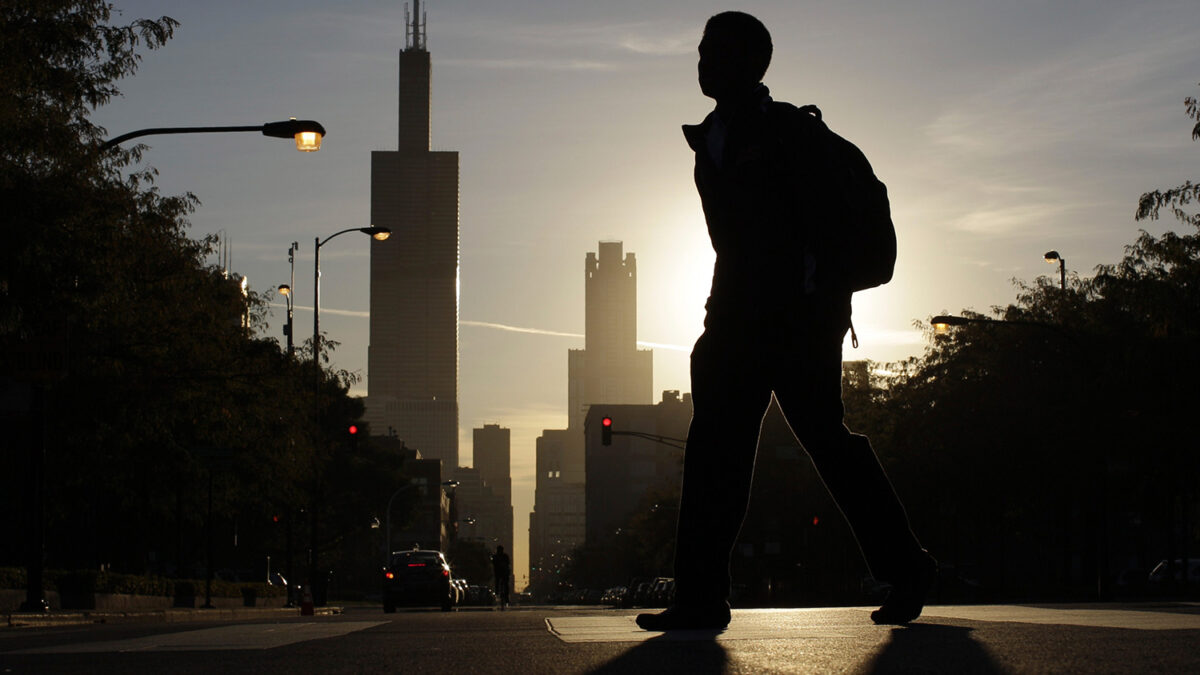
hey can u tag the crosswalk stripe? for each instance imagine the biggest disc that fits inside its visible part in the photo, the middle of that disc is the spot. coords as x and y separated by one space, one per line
234 637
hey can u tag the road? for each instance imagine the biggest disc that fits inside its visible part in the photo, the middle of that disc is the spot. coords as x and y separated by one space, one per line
951 639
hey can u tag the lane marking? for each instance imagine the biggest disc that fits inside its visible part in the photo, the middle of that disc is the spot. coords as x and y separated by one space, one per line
854 622
746 625
1062 616
221 638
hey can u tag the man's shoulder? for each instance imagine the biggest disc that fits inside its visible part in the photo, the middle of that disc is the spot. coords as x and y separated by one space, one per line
805 119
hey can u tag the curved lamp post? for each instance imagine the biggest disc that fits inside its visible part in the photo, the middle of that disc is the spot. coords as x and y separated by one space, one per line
307 133
286 291
1053 257
377 233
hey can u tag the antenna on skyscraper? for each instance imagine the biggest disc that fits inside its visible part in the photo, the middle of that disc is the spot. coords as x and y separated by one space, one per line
414 27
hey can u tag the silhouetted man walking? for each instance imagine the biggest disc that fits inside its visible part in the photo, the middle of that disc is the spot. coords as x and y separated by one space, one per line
772 180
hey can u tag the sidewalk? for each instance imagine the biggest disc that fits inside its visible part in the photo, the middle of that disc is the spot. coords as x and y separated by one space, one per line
182 615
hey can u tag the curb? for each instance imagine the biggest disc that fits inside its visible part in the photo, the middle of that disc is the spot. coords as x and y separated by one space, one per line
51 619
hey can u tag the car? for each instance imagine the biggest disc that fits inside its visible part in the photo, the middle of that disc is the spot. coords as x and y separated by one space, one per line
1166 574
418 578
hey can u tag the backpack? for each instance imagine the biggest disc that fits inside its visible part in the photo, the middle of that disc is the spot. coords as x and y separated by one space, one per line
858 249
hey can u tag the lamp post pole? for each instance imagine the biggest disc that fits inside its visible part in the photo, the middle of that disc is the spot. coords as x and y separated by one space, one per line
291 346
380 234
1054 257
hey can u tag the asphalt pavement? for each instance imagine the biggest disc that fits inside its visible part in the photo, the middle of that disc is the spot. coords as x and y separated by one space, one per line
1126 638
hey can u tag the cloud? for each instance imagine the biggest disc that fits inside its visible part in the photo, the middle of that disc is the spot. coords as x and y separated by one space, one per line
655 44
530 64
1037 149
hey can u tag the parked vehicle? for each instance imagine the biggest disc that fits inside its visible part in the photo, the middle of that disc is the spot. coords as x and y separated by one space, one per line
480 596
614 596
418 578
1161 575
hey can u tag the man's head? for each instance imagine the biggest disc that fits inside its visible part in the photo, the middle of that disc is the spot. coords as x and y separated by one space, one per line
734 54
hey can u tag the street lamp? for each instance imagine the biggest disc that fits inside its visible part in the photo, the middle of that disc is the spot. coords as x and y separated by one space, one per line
377 233
286 291
1053 257
307 133
943 323
380 233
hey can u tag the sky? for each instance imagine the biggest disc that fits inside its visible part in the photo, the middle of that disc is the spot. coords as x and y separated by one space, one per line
1002 130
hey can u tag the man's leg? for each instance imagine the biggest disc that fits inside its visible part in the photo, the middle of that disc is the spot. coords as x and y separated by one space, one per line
811 400
728 402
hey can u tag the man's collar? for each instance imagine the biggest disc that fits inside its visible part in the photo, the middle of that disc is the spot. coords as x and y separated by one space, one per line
756 98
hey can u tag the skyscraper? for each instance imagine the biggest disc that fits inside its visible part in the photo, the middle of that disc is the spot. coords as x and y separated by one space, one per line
611 368
412 360
493 456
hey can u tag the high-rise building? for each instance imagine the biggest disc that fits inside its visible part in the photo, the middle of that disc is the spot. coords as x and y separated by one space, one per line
485 491
609 370
412 360
492 451
557 522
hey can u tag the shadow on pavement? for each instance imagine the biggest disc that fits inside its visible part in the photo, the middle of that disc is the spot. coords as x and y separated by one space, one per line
932 648
698 652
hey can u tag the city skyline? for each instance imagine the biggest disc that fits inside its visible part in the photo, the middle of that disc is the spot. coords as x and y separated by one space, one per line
1001 131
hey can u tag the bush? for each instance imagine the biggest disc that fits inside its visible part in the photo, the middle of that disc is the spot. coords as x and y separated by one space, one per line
12 577
88 582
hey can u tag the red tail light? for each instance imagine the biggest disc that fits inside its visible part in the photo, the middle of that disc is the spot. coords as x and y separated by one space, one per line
445 573
416 564
389 575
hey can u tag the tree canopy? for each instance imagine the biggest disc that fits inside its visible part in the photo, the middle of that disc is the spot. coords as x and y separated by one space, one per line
154 378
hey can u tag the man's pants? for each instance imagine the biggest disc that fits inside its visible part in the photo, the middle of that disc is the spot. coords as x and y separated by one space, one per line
736 365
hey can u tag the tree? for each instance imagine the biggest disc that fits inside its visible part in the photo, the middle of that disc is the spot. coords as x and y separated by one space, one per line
160 379
1175 198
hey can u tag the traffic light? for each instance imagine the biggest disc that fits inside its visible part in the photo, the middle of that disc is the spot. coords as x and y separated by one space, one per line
606 431
352 431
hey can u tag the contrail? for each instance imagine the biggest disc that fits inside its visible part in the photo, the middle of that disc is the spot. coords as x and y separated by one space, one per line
324 310
518 329
539 331
495 326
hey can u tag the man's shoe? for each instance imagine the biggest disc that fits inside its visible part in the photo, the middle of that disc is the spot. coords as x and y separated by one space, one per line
687 617
907 598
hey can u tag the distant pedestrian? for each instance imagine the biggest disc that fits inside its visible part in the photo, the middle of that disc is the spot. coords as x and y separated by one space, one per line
798 222
501 570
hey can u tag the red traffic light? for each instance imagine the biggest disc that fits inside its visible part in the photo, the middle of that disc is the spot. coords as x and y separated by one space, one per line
607 421
353 429
606 431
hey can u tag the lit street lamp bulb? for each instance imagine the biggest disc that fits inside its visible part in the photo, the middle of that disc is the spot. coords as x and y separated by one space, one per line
284 289
308 141
381 236
941 328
